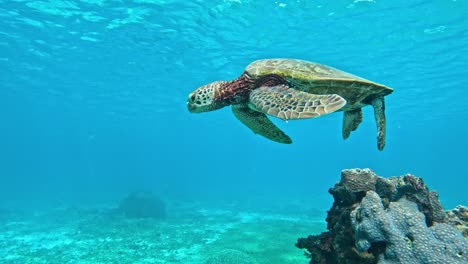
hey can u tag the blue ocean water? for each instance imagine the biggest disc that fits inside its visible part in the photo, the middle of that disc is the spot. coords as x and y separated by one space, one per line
93 97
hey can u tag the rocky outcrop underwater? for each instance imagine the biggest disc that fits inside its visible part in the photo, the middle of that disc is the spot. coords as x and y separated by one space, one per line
388 220
141 204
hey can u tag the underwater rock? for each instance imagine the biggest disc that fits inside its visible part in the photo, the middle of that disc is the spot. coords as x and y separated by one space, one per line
394 220
142 205
230 256
458 217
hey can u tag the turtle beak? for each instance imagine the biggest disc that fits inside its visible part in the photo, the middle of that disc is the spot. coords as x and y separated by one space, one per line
191 102
191 107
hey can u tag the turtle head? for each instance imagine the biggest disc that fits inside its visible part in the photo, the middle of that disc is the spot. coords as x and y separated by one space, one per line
204 98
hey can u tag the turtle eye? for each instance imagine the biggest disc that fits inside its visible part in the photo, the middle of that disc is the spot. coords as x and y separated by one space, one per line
192 97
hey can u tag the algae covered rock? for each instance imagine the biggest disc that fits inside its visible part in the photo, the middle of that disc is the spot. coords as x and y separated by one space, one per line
458 217
388 220
142 205
230 256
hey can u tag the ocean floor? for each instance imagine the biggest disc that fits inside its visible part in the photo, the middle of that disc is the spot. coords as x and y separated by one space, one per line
192 233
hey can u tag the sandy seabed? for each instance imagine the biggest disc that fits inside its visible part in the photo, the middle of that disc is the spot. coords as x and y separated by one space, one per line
191 234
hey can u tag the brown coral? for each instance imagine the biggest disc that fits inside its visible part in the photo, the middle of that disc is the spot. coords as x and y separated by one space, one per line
337 245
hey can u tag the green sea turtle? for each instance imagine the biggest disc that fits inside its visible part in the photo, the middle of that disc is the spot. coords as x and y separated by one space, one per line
293 89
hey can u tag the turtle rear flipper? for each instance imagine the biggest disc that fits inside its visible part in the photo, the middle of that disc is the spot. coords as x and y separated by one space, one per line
379 112
288 103
351 121
259 123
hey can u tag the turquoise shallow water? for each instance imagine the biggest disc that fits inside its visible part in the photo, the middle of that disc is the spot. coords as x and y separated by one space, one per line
93 93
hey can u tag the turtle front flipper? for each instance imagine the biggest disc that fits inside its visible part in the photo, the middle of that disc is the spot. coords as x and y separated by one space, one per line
379 112
259 123
288 103
351 121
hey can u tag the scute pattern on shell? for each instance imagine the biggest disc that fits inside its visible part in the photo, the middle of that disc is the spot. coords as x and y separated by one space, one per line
316 78
298 69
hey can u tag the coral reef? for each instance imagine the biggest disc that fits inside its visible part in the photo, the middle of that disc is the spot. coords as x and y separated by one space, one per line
394 220
458 217
230 256
142 205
